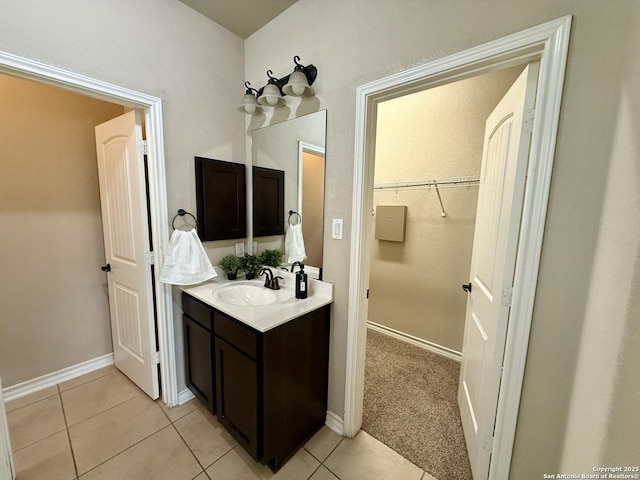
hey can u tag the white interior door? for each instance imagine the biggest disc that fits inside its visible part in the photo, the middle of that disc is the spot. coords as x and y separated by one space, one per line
502 180
126 241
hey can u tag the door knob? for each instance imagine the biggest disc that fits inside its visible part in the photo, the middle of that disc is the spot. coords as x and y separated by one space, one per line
106 268
467 287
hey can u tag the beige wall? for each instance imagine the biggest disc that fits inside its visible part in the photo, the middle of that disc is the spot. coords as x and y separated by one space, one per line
357 41
159 47
313 206
431 135
55 310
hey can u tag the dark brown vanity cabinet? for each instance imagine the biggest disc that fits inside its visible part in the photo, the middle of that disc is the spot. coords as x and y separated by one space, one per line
198 341
271 387
221 199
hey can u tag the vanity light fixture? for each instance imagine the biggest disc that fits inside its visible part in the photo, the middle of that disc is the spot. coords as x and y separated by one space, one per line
250 103
299 84
296 84
271 93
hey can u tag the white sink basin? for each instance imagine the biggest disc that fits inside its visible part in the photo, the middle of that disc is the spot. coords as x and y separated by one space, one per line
249 294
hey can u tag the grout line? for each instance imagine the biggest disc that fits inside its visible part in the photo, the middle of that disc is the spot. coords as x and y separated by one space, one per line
89 381
128 448
189 448
66 424
106 409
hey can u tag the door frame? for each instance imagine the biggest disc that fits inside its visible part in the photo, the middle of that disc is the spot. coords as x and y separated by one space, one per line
39 72
547 43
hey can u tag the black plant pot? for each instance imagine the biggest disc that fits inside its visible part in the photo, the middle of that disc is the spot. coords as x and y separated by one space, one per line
250 276
232 275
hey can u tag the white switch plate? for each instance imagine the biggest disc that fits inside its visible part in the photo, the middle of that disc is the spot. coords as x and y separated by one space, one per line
336 230
239 249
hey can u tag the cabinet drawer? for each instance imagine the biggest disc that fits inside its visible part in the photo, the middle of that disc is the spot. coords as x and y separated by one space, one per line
236 334
197 310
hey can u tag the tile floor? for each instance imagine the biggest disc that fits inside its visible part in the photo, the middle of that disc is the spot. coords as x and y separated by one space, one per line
101 426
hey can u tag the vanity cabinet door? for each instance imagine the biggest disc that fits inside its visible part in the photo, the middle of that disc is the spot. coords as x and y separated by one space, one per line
237 396
199 371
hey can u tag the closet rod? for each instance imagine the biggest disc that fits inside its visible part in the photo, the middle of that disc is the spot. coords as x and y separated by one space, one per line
468 181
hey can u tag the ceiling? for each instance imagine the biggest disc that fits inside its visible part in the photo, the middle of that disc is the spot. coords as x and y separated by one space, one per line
242 17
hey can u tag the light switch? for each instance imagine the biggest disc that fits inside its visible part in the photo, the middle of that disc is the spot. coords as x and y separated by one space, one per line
336 230
239 249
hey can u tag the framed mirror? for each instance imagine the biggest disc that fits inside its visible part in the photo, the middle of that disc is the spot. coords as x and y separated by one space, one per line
296 147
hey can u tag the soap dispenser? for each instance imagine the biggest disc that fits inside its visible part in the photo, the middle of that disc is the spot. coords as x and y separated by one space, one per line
301 283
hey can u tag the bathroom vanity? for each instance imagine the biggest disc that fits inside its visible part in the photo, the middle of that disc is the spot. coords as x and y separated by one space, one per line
262 369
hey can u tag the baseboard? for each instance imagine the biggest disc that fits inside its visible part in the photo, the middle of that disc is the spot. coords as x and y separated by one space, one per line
184 396
53 378
335 423
418 342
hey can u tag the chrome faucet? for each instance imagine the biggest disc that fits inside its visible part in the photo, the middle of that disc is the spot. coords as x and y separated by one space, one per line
270 281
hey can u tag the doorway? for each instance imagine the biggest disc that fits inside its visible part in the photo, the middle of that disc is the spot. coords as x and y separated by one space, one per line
547 43
152 107
428 157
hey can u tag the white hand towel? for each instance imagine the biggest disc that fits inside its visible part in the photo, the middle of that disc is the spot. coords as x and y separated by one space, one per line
294 244
186 262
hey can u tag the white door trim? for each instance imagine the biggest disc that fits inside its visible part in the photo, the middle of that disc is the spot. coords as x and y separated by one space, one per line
547 43
25 68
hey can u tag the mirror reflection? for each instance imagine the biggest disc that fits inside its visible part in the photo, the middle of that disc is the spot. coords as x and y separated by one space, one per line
297 148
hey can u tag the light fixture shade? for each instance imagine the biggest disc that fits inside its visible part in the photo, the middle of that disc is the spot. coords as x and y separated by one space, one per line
271 96
298 85
249 104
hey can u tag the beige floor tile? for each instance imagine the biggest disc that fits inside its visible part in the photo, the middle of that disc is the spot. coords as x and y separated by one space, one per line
34 422
103 436
97 396
364 458
75 382
206 438
180 411
323 443
162 456
48 459
426 476
31 398
202 476
238 465
323 474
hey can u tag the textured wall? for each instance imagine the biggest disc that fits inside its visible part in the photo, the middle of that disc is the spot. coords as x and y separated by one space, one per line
433 134
159 47
55 310
358 41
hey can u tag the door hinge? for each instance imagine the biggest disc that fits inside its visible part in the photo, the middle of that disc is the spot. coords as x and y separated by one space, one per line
488 444
143 148
155 358
507 296
149 259
367 293
528 120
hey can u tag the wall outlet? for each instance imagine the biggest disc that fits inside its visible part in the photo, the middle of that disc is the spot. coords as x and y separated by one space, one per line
336 229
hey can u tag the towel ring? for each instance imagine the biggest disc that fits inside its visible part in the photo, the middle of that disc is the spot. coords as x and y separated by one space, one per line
182 213
291 213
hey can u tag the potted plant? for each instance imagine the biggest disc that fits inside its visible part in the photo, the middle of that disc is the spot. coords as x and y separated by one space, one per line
271 258
250 265
230 264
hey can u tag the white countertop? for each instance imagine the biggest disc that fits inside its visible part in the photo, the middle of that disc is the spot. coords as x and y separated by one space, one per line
266 317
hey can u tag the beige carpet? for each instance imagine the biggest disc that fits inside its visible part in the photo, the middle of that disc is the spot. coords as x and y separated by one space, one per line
410 404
